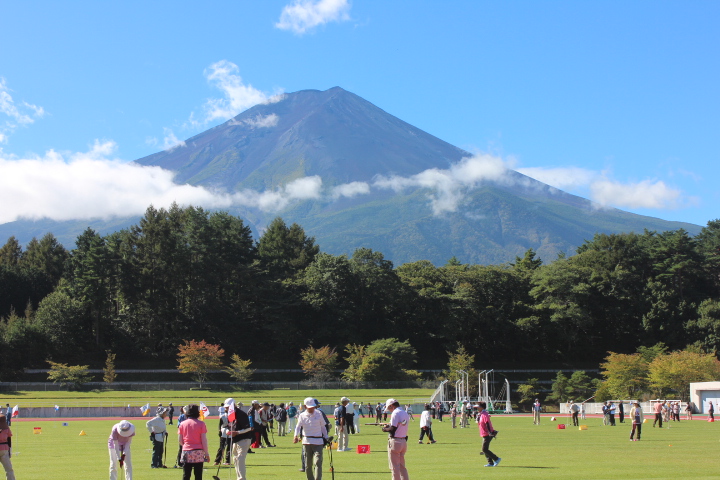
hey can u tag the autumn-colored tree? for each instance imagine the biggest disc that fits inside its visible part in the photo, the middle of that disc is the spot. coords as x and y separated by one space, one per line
199 359
239 369
318 363
676 370
109 370
71 375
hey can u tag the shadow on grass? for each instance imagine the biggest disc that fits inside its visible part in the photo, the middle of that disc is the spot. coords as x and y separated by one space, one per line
519 466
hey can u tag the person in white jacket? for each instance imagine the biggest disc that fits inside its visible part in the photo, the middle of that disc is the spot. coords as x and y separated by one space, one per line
426 425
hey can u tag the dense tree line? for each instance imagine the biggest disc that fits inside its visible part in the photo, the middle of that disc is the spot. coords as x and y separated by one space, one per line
185 273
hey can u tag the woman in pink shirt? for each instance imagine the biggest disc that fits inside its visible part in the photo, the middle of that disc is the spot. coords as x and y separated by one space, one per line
5 446
192 435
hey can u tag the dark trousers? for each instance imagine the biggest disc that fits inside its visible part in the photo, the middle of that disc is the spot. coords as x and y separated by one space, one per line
350 423
263 434
225 444
197 468
170 416
622 417
491 457
177 461
658 418
378 416
157 454
428 431
638 427
612 419
576 423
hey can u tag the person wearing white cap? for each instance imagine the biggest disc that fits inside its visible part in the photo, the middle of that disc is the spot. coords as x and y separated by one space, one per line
312 429
397 441
356 416
119 447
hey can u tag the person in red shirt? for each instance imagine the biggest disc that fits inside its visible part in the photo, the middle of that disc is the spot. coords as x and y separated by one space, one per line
487 432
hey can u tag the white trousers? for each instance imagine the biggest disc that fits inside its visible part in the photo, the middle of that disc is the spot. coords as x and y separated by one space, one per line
115 461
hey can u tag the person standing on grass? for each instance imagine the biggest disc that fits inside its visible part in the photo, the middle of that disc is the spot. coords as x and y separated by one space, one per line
158 433
192 435
636 414
239 430
292 413
171 412
181 418
426 425
711 413
397 431
453 414
659 411
689 410
6 447
312 429
487 432
356 417
281 418
536 412
341 418
119 447
8 414
225 441
574 410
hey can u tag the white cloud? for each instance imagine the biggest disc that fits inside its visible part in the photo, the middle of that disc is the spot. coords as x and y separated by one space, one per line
237 96
450 185
93 185
261 121
303 15
171 142
645 194
23 115
561 177
350 190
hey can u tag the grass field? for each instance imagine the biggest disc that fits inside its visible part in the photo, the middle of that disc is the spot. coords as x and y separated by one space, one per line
209 397
685 450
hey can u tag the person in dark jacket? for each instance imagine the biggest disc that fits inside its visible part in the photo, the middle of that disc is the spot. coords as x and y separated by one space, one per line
241 433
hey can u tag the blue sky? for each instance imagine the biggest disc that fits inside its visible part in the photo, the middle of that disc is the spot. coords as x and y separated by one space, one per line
615 101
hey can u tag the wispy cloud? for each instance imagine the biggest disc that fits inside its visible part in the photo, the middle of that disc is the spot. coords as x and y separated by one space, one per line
92 184
449 186
22 114
237 96
304 15
349 190
260 121
170 141
606 191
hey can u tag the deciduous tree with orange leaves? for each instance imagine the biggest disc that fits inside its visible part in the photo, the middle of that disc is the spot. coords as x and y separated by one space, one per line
199 359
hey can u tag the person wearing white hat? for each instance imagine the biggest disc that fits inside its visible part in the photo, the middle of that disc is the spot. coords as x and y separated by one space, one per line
292 413
119 447
397 439
312 429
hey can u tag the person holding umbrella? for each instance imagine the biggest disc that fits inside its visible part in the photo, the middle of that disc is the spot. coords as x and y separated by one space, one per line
158 433
119 447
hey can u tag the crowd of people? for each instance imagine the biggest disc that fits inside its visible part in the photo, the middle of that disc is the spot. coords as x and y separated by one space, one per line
242 430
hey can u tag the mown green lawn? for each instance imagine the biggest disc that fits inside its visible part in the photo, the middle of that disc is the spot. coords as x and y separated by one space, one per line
209 397
686 450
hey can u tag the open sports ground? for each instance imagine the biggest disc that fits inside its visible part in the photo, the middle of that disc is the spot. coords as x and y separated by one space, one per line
687 449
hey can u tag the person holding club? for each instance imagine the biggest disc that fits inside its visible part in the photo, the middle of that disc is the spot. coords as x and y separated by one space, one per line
311 428
158 434
119 447
6 448
240 431
397 431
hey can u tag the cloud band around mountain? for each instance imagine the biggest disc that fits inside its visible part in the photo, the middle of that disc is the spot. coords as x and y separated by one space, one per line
94 185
